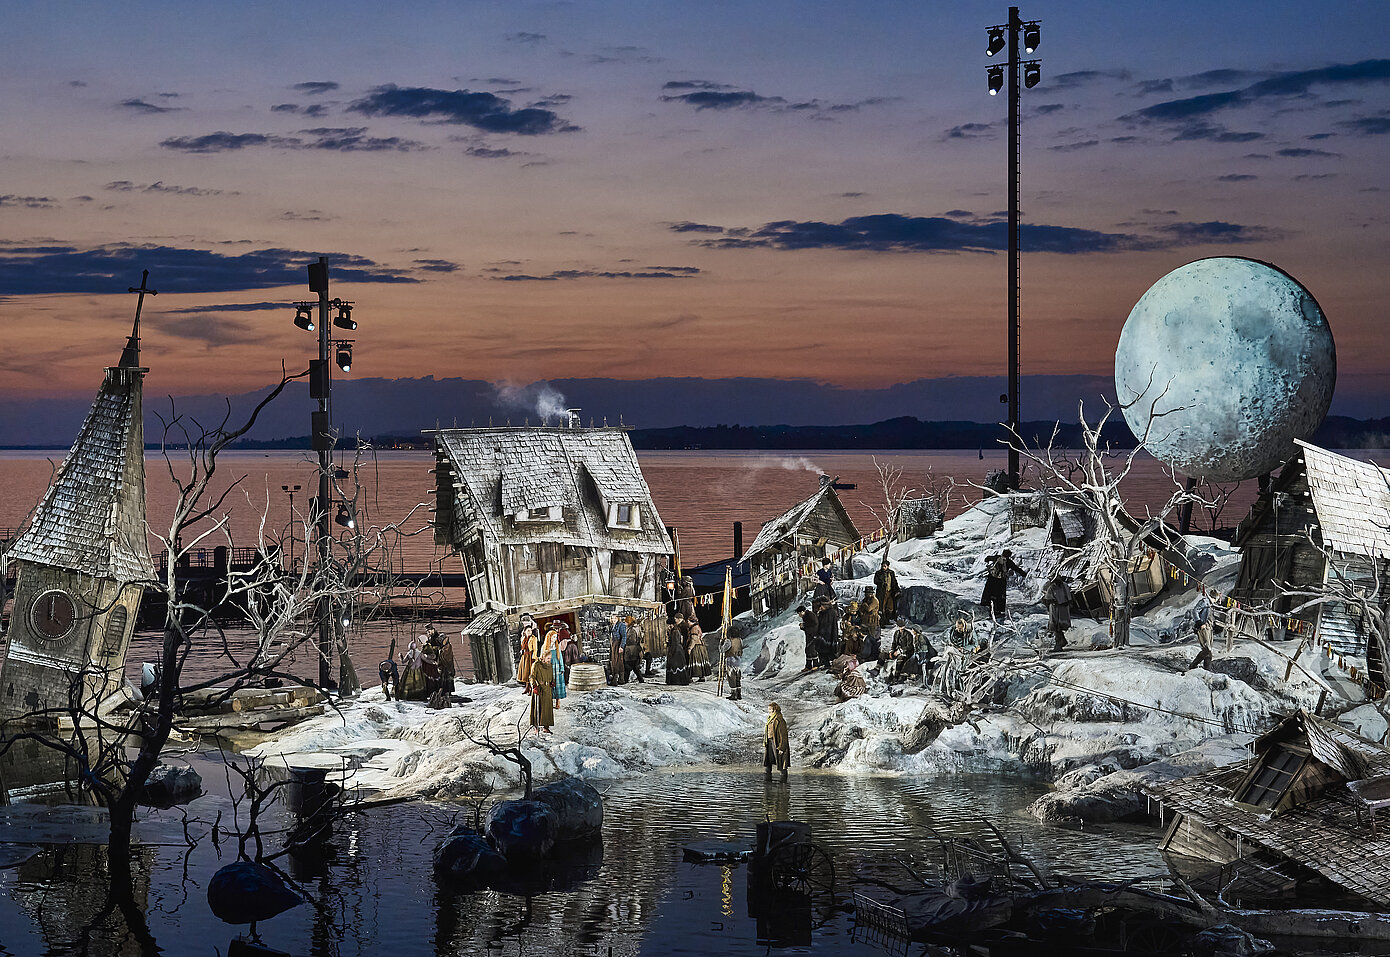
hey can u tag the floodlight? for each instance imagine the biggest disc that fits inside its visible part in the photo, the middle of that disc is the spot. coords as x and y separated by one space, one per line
1032 74
996 41
996 80
344 519
344 356
344 320
304 318
1031 36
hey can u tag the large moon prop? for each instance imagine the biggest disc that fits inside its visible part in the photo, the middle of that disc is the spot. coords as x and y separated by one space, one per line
1239 356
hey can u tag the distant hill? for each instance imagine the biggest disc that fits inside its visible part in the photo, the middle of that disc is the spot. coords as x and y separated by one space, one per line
903 432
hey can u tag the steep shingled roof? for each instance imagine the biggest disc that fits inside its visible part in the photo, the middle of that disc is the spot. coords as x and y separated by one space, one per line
92 518
792 519
496 472
1352 499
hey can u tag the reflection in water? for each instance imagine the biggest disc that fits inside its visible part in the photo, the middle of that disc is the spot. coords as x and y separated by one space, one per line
376 892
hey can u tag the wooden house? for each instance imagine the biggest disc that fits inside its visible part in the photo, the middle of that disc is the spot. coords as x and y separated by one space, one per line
557 523
82 563
1321 505
1307 803
808 531
917 518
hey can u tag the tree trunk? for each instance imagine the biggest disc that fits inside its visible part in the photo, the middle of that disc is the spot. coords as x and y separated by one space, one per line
153 737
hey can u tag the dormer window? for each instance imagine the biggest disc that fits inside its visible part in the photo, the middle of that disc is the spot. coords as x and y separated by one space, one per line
624 515
551 513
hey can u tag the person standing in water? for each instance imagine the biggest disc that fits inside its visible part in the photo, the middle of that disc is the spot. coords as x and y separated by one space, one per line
776 741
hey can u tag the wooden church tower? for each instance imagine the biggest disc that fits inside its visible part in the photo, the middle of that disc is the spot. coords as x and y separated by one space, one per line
84 559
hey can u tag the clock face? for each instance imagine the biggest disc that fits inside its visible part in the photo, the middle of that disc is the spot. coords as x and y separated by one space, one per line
52 614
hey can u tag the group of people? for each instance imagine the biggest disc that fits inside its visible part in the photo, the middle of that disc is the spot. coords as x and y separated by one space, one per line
830 635
687 655
425 671
627 650
543 670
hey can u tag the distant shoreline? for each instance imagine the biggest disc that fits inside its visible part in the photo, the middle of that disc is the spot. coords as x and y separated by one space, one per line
905 433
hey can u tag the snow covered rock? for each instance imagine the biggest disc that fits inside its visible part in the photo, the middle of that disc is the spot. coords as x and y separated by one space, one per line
578 809
522 830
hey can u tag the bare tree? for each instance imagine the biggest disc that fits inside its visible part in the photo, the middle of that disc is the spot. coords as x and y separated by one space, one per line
1094 483
895 493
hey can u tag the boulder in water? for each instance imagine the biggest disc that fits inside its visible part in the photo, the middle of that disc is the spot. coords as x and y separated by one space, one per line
578 808
522 830
244 892
169 785
465 855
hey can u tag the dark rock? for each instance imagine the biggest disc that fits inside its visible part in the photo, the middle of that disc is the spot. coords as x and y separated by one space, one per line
522 830
1241 669
169 784
243 892
1228 940
578 808
465 855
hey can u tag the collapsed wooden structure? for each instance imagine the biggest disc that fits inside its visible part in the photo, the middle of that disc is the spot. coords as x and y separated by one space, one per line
557 523
810 530
1307 803
1083 557
1325 515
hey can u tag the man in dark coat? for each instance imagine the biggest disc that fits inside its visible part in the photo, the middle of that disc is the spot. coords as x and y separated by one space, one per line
828 632
685 598
887 590
998 569
810 627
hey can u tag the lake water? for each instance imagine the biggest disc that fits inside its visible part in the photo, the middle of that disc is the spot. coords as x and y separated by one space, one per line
379 894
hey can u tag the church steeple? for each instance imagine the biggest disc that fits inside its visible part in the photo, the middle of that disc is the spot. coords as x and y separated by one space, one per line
130 357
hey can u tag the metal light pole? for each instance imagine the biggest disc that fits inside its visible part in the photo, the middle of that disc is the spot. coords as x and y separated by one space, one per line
1020 74
321 389
291 489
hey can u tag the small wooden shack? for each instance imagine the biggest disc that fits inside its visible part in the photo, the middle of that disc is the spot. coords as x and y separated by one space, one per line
808 531
1083 558
1320 504
1308 802
557 523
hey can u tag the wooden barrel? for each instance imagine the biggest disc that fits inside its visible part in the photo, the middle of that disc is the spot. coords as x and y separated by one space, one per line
586 676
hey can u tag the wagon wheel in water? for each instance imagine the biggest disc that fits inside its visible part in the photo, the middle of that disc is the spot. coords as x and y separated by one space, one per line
804 868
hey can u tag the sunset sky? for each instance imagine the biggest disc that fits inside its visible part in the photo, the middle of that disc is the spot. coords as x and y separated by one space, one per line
801 190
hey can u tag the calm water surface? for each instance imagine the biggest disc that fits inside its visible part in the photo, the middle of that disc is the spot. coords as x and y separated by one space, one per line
380 895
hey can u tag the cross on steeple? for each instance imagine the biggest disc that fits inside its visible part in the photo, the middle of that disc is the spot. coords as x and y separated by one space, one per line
130 357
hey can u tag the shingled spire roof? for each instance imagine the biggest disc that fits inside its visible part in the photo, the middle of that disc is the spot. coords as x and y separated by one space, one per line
92 518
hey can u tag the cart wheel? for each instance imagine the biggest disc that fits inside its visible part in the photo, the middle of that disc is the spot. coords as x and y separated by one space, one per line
805 869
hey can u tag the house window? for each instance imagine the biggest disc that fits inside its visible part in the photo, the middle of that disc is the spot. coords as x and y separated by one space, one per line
625 515
550 513
576 557
1277 771
625 563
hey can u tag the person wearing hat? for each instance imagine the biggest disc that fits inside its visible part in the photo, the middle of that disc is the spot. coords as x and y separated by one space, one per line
887 588
869 620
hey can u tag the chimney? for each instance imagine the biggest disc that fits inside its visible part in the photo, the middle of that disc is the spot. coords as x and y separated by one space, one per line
574 420
738 540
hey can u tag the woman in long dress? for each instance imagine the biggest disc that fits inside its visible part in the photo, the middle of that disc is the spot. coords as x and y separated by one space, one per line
528 653
696 652
677 673
557 663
